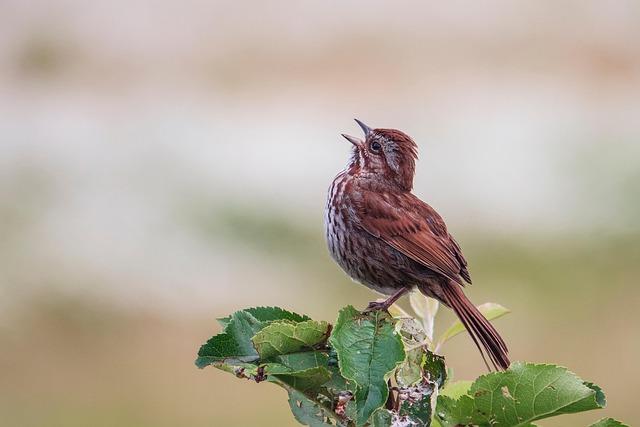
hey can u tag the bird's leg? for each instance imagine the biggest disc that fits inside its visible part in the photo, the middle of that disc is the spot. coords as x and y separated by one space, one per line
384 305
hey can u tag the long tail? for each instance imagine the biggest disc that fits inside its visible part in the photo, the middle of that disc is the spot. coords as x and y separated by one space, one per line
481 331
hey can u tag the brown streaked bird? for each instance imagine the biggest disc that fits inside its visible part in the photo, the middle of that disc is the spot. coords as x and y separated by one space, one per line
391 241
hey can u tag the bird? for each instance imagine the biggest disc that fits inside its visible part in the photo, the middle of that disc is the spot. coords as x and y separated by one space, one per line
389 240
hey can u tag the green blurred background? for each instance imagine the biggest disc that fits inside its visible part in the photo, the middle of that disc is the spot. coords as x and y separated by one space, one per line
165 163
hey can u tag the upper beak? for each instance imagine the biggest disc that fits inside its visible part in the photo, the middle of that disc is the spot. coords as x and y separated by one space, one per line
352 139
357 141
366 129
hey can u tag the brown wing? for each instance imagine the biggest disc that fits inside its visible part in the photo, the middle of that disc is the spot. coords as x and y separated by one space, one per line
413 228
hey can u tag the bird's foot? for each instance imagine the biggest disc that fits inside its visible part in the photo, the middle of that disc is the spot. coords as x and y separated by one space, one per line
377 306
383 305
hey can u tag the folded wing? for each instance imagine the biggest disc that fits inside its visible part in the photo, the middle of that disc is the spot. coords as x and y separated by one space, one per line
413 228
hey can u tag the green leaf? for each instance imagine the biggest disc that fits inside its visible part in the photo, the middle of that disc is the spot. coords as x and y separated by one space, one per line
303 371
522 394
308 373
416 402
410 371
413 335
608 422
435 370
308 379
234 344
368 350
414 339
456 389
416 405
385 418
598 399
381 418
268 314
452 390
303 360
284 337
306 411
338 383
490 310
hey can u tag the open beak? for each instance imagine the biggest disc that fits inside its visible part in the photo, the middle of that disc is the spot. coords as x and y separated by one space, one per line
357 141
352 139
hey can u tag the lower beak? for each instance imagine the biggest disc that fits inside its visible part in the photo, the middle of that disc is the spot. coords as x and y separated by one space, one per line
352 139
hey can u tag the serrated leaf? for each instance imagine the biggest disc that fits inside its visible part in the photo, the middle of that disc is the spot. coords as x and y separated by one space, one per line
303 360
434 369
456 389
239 369
608 422
381 418
516 397
410 371
416 402
306 411
339 388
368 350
414 339
416 405
232 345
385 418
308 379
337 384
451 390
413 335
587 403
283 337
303 371
490 310
268 314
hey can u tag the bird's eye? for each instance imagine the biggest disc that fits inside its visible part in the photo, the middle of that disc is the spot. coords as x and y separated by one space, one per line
375 147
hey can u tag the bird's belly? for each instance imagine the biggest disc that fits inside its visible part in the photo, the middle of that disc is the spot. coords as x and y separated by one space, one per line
365 258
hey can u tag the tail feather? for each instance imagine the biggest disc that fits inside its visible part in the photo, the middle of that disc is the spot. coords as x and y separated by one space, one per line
480 329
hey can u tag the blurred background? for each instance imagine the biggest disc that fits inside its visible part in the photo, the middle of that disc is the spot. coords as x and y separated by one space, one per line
165 163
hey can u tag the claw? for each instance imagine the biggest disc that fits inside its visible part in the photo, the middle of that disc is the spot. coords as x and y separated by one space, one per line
377 306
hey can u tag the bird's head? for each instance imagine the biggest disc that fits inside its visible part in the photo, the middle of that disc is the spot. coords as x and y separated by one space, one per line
384 153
